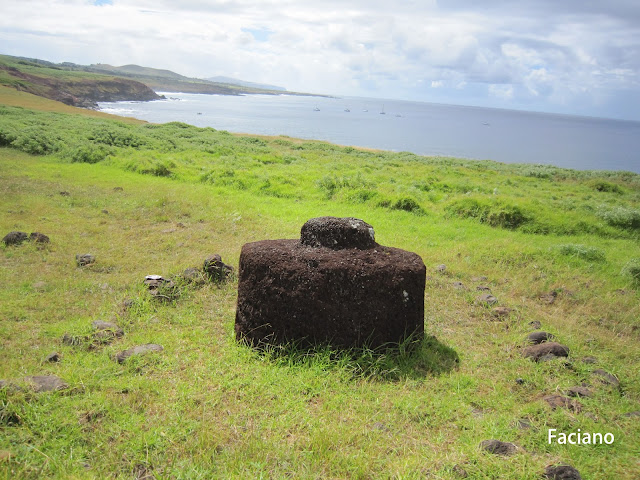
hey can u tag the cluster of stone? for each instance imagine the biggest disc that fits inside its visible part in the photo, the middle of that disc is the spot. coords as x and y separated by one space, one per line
335 285
16 238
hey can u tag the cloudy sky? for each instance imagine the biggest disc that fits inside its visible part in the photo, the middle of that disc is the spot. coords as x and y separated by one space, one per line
565 56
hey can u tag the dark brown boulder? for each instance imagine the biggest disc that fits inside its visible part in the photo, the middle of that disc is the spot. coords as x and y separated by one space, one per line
216 270
559 401
539 337
38 237
498 447
537 352
120 357
346 291
561 472
85 259
15 238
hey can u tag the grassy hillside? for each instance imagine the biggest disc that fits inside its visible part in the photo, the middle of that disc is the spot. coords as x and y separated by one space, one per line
556 246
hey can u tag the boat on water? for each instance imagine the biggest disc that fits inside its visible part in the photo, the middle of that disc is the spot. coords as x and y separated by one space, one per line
382 112
347 109
316 109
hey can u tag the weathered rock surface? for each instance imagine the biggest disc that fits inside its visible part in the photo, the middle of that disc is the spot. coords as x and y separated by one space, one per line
559 401
500 312
605 377
498 447
537 352
487 299
53 357
216 270
120 357
85 259
106 330
539 337
38 237
46 383
336 285
561 472
579 392
15 238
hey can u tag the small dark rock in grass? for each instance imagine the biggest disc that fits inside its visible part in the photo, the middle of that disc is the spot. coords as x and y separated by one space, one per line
138 350
498 447
520 381
105 211
216 269
118 189
537 352
589 360
459 471
606 378
539 337
74 340
559 401
15 238
441 268
380 426
635 414
459 286
535 324
53 357
106 330
46 383
561 472
500 312
85 259
37 237
579 392
487 299
524 424
194 276
549 298
483 288
65 193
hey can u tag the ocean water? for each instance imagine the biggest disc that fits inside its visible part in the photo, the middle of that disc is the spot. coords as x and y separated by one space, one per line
581 143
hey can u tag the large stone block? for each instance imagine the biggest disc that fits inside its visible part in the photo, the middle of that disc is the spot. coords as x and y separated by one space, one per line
336 286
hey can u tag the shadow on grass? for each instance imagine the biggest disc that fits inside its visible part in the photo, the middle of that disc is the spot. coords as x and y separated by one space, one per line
412 359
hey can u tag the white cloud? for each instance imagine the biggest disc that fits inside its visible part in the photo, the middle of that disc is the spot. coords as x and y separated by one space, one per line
518 52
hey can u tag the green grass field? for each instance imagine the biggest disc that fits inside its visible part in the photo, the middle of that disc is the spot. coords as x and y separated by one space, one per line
556 246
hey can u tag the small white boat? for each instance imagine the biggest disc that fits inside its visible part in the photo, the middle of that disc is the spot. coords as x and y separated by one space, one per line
316 109
382 112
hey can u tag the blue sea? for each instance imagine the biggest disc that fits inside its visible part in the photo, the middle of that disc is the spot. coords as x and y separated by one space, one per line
508 136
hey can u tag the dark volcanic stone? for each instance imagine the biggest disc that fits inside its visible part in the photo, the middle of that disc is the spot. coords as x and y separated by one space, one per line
498 447
500 312
338 233
605 377
536 352
535 324
53 357
138 350
290 291
15 238
561 472
46 383
85 259
579 392
38 237
539 337
487 299
590 360
558 401
107 329
216 269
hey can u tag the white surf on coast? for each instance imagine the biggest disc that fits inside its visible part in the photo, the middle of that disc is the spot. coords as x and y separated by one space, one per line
582 143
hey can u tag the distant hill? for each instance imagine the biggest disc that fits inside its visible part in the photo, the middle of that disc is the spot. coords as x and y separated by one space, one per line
242 83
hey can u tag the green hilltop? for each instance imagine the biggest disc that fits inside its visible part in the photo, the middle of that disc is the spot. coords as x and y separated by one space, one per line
559 250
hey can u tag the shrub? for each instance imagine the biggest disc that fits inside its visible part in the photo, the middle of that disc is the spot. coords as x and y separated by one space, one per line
584 252
116 136
620 217
603 186
88 154
407 204
35 141
632 269
493 213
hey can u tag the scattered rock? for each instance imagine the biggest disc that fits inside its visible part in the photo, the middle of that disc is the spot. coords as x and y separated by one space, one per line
539 337
559 401
589 360
606 378
483 288
459 471
65 193
498 447
46 383
549 298
459 286
635 414
138 350
479 279
85 259
216 269
380 426
128 303
579 392
118 189
536 352
441 268
561 472
487 299
106 331
520 381
181 225
161 288
15 238
535 324
500 312
335 285
194 276
105 211
53 357
37 237
74 340
524 424
143 472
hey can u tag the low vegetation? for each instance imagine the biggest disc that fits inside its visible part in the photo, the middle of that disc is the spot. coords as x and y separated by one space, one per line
555 246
